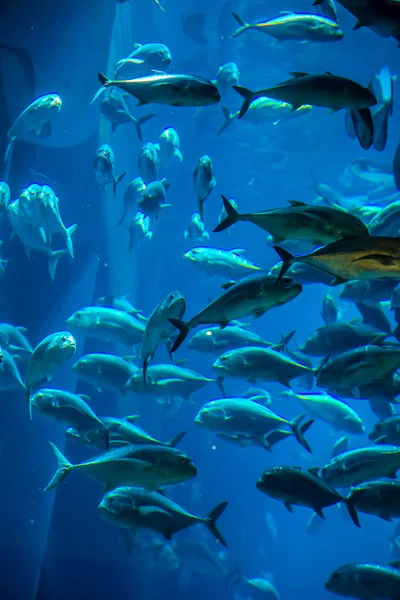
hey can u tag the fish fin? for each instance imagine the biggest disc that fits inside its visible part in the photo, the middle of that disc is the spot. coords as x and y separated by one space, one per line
298 433
243 25
141 102
232 216
45 130
248 97
64 467
54 257
314 471
43 235
116 182
299 74
319 512
132 418
228 284
145 365
69 232
211 519
183 328
228 116
337 281
139 122
351 507
84 397
122 219
358 25
9 148
220 383
287 261
106 438
173 442
296 203
288 506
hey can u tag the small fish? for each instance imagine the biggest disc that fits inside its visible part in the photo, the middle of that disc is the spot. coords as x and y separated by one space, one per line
153 199
295 26
370 581
114 108
203 182
104 165
229 264
52 352
158 328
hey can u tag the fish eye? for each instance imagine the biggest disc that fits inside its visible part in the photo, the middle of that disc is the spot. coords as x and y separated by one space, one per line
183 459
111 500
208 332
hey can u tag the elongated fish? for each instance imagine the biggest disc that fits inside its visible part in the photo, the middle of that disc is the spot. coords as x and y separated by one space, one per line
362 258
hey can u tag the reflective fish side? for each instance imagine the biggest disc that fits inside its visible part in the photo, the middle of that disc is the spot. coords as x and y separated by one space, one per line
295 26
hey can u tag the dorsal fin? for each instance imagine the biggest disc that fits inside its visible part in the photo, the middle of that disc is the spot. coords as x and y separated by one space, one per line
296 203
132 418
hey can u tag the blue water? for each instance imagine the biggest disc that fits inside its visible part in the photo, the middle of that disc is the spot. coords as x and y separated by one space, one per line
54 545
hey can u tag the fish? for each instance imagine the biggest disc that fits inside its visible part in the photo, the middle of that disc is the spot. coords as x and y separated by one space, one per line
121 432
104 371
196 231
139 229
365 580
153 199
330 310
362 464
133 508
114 108
145 58
13 338
104 166
168 148
340 337
107 324
52 352
148 163
147 466
246 418
69 408
380 498
217 262
34 119
163 380
261 364
359 367
324 90
294 26
299 222
132 196
264 110
300 487
365 257
161 88
121 303
203 182
386 431
250 296
329 409
217 340
364 126
158 327
5 195
10 376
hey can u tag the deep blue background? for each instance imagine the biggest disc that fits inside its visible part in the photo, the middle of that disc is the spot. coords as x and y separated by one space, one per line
79 555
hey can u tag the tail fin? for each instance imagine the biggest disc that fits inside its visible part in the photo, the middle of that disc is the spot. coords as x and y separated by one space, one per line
243 25
234 577
64 467
211 519
122 219
116 182
28 402
248 97
105 82
229 117
106 438
139 122
298 432
232 216
54 257
351 507
173 442
145 365
69 232
183 328
220 383
287 261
